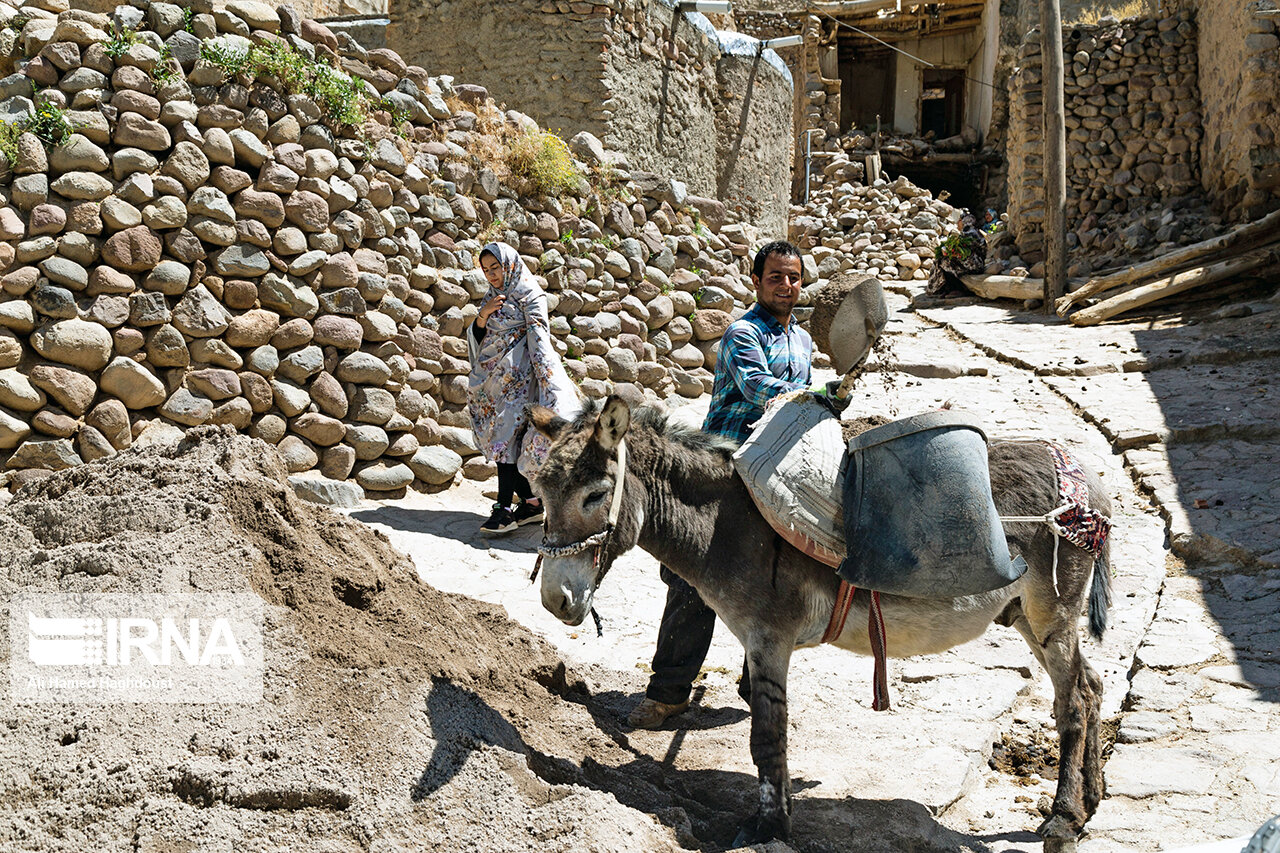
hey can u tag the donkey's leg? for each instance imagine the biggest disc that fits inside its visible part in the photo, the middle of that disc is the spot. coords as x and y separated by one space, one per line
1094 784
1075 707
769 660
1072 706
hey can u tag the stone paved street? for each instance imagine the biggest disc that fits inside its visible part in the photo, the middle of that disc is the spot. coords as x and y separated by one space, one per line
1190 665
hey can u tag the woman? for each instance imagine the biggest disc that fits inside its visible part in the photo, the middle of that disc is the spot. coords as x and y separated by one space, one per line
959 255
513 368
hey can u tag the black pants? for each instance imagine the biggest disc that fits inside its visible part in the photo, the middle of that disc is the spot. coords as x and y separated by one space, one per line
683 640
510 483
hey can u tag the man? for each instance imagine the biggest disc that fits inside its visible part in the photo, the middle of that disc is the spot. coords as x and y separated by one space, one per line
763 354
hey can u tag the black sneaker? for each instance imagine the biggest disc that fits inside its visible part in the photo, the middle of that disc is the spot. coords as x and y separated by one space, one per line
502 520
527 513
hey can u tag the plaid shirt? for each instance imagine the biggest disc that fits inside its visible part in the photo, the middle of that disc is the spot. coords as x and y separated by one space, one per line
758 360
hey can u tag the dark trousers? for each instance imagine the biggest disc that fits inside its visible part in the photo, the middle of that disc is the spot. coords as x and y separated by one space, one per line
510 483
683 640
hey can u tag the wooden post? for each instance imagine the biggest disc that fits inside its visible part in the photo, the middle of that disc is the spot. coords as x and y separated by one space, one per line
1055 153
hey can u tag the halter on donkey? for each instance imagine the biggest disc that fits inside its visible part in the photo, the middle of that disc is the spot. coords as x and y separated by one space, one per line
595 540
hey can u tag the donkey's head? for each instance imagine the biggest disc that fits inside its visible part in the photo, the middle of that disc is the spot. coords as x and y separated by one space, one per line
590 517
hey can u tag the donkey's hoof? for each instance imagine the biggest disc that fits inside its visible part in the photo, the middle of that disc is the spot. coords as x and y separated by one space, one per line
759 830
1059 834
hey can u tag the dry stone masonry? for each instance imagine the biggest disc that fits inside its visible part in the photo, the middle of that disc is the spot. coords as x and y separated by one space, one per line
1239 58
1133 131
888 230
206 246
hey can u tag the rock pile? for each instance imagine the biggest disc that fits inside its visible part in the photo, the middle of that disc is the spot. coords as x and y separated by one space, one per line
233 216
888 230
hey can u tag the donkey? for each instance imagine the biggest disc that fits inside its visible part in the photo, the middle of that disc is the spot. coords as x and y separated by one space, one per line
680 499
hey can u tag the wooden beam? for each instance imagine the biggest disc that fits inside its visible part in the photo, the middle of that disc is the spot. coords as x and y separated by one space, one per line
1163 288
1264 229
1004 286
1055 153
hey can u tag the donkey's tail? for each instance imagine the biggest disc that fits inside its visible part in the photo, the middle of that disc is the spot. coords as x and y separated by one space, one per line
1100 592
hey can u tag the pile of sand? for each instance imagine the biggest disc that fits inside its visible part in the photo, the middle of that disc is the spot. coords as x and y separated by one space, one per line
394 716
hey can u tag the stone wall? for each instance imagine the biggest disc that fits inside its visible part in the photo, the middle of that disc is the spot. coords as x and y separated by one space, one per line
642 77
660 97
208 247
529 55
1240 77
306 8
1134 128
816 96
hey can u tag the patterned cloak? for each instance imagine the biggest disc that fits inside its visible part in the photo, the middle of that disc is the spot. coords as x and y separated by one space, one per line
515 368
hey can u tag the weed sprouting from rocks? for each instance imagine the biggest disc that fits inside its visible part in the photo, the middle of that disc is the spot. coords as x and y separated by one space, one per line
121 41
343 99
49 123
543 160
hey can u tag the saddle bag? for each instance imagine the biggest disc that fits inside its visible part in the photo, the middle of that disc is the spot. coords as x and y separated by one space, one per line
919 519
904 508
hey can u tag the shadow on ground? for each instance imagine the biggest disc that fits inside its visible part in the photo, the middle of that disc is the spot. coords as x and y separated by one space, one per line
453 524
1187 393
704 808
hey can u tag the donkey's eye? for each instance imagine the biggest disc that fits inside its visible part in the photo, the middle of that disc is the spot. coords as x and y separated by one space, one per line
593 499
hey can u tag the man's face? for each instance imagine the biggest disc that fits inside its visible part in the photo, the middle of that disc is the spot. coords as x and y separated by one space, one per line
778 289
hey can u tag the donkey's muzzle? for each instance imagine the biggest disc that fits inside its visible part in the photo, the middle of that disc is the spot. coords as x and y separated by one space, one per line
568 587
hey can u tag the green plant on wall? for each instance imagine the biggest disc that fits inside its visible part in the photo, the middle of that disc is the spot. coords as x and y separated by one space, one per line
164 71
120 42
399 118
48 123
230 59
342 98
491 231
543 160
9 133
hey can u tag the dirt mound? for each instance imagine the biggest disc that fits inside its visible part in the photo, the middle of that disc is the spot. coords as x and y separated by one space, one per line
394 716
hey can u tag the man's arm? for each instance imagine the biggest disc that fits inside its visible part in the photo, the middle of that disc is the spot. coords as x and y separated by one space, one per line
745 362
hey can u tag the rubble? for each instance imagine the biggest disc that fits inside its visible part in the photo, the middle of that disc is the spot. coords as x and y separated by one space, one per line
890 230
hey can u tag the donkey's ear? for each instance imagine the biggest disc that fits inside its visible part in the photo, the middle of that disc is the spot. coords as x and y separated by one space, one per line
612 425
547 422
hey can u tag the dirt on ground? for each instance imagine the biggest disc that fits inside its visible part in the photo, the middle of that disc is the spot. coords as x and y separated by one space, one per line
394 716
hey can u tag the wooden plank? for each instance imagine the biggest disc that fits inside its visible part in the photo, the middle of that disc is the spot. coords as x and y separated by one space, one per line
1004 286
1055 153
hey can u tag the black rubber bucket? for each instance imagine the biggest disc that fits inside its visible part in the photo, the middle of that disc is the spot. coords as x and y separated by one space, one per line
918 514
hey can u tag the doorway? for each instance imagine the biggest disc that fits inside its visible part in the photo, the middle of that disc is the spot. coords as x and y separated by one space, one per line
868 77
942 102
